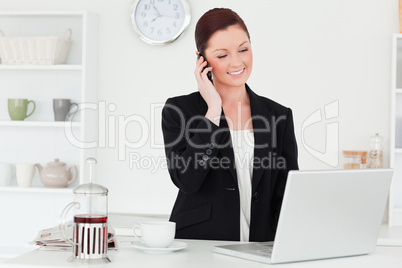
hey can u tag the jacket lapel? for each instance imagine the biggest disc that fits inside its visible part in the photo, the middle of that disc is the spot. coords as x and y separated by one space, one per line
262 127
227 151
261 118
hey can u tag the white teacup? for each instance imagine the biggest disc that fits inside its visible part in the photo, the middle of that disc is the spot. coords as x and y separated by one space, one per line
155 234
24 174
6 174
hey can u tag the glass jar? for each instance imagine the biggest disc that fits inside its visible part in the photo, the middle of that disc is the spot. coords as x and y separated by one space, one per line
376 151
354 159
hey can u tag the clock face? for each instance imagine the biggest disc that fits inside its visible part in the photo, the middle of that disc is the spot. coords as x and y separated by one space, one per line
160 21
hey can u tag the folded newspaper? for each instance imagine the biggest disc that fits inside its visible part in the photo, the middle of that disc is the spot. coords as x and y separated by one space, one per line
52 238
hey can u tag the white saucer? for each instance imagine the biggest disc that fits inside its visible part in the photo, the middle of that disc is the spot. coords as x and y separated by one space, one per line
175 245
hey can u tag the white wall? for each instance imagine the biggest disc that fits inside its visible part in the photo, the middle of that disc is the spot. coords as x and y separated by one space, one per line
307 54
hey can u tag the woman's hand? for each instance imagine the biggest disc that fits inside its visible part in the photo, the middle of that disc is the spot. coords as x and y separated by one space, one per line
208 91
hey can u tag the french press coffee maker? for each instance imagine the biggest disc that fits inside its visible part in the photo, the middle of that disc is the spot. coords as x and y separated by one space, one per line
90 229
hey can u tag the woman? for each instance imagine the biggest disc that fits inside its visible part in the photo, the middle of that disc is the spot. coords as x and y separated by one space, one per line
229 150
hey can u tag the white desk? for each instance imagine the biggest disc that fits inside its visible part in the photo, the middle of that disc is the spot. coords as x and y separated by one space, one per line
199 253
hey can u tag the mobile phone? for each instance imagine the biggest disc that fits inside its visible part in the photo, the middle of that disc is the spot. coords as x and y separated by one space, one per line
209 74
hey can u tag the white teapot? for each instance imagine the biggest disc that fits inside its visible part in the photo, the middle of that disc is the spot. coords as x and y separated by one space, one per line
56 174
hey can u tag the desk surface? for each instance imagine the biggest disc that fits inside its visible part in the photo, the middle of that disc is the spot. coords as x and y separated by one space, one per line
199 253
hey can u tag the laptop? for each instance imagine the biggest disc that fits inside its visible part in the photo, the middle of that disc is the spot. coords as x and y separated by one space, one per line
325 214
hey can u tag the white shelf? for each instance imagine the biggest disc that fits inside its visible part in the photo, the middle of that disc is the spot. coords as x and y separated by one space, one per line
33 67
16 189
398 150
39 139
75 80
398 90
39 124
43 13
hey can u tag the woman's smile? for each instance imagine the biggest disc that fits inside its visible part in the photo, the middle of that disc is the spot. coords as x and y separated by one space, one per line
238 73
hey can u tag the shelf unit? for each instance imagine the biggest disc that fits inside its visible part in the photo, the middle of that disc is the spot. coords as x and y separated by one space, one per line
39 139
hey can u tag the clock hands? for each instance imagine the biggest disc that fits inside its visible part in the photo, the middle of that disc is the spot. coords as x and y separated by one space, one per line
157 11
157 15
169 16
161 15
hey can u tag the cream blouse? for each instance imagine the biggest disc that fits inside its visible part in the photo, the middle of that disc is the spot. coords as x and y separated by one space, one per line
243 148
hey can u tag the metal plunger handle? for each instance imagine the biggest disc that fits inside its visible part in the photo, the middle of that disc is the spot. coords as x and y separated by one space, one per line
91 161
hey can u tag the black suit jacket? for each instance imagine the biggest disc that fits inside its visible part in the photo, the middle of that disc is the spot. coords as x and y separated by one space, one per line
201 164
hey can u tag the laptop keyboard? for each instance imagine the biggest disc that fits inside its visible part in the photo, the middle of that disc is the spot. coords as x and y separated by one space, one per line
267 251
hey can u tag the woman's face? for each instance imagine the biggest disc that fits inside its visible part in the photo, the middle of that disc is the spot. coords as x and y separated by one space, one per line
229 53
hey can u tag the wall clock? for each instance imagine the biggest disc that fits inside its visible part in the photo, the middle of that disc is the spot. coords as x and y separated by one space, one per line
160 22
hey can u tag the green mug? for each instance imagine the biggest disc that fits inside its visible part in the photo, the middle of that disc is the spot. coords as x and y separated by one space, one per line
18 108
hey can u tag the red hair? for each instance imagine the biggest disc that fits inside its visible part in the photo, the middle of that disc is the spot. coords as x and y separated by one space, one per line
215 20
